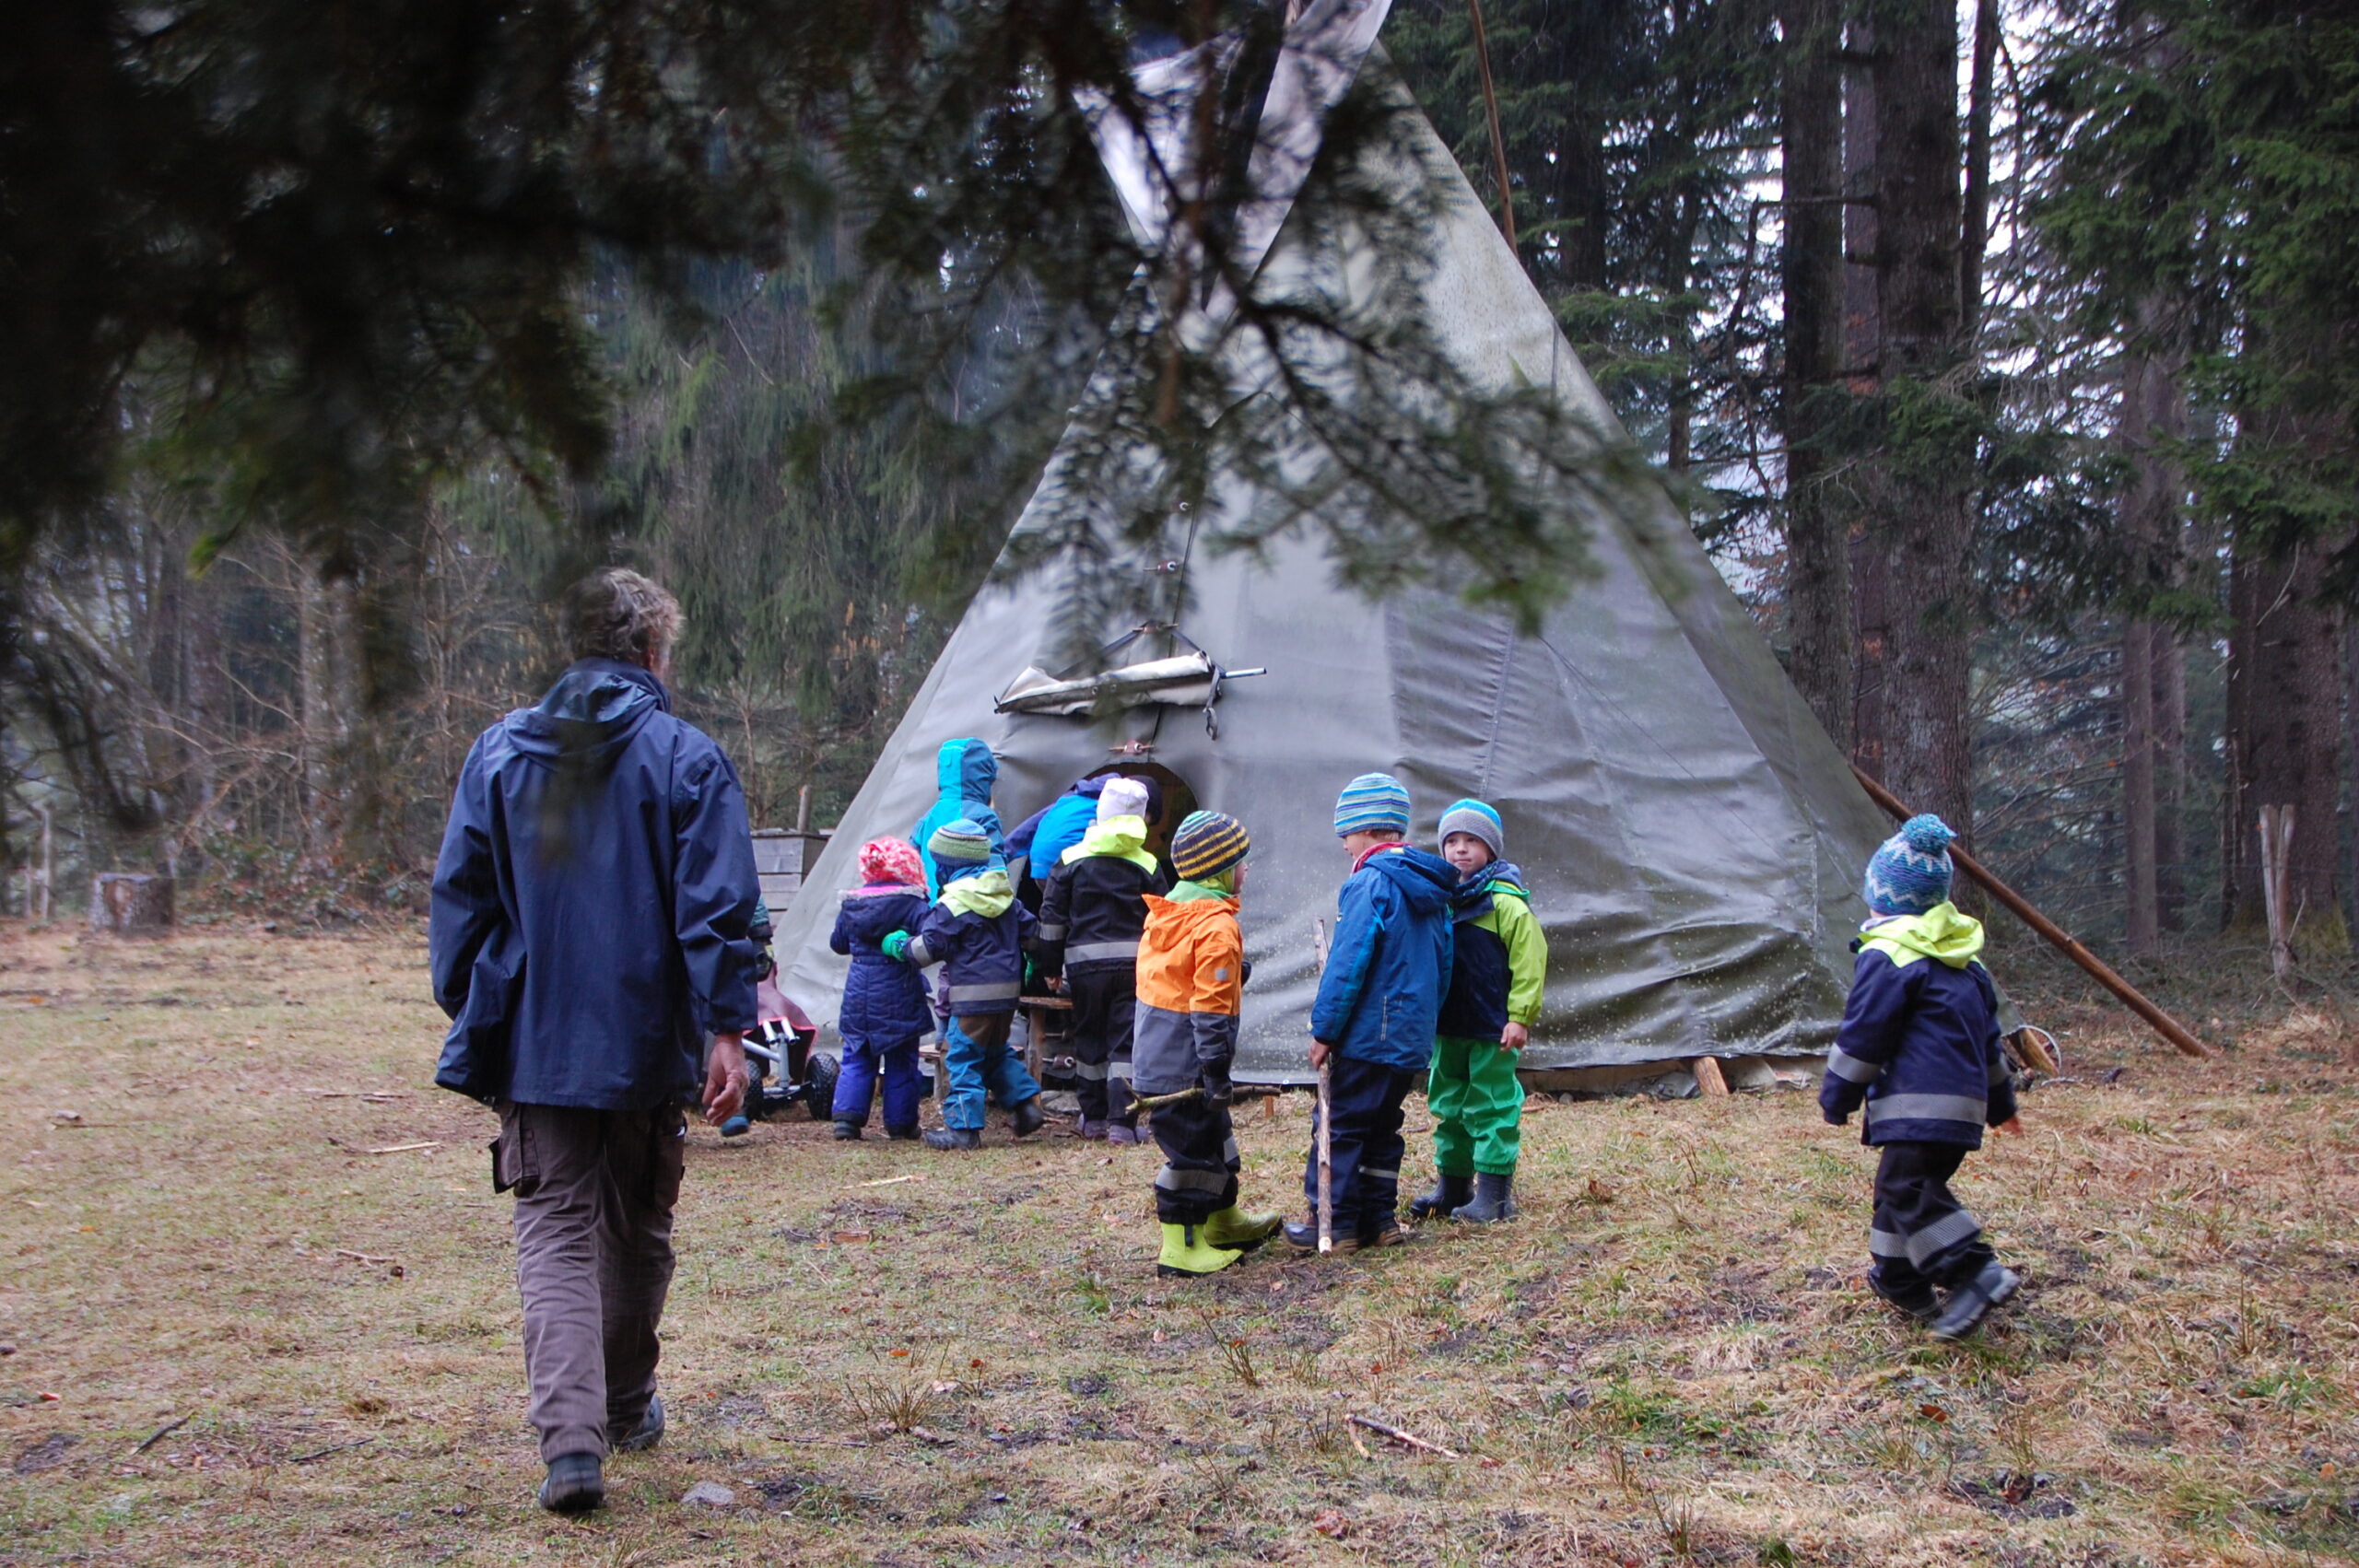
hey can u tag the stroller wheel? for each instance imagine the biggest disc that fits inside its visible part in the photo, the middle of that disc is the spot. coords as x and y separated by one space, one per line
819 1087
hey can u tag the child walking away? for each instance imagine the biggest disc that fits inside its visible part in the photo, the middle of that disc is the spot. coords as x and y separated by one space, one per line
1919 1043
1091 919
1499 972
966 772
1379 1001
885 1013
1190 976
975 931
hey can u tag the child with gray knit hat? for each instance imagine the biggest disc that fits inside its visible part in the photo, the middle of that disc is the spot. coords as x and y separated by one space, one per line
1497 976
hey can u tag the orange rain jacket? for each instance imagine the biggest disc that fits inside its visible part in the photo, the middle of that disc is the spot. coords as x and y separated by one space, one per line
1190 983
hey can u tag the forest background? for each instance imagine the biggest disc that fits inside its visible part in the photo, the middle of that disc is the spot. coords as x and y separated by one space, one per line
2004 354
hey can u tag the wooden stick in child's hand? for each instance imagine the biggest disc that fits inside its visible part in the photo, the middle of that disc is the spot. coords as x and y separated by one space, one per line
1326 1114
1156 1102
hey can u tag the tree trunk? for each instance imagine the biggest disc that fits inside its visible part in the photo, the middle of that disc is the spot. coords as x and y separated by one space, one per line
1818 567
126 905
2285 738
1977 237
2152 420
2170 782
1867 564
1925 491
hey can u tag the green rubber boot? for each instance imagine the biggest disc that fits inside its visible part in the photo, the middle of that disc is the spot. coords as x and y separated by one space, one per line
1186 1255
1239 1230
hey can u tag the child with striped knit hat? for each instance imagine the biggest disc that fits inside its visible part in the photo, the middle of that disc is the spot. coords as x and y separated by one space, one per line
1919 1049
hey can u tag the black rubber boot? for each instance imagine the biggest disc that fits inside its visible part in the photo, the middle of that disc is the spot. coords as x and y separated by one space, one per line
648 1433
954 1138
1027 1117
1304 1237
575 1484
901 1134
1494 1200
1972 1302
847 1132
1915 1298
1449 1192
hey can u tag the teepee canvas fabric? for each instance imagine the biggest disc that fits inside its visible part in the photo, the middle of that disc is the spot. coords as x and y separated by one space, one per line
1691 838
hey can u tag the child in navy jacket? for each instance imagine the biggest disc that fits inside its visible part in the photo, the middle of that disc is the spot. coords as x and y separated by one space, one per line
1920 1046
884 1012
975 930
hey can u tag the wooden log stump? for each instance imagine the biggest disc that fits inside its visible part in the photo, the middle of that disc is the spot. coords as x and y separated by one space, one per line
1709 1080
129 904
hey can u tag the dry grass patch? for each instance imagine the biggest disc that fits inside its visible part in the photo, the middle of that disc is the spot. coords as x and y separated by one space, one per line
1669 1361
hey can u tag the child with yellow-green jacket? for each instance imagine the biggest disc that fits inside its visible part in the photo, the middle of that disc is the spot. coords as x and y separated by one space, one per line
1495 986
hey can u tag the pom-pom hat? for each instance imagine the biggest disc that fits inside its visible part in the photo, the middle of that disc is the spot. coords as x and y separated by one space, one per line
891 860
1910 872
962 843
1374 802
1207 844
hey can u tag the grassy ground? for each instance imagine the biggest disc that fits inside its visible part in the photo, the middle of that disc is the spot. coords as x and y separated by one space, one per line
898 1357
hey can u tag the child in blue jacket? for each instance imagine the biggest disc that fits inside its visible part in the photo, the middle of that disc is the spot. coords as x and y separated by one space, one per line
1379 1000
1920 1046
885 1013
975 930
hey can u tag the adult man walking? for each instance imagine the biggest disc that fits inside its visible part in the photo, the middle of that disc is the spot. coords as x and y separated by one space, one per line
593 924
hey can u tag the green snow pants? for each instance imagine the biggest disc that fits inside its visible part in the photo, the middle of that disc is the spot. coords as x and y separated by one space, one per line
1478 1106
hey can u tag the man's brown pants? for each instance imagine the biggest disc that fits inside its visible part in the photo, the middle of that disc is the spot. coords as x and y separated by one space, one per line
594 1193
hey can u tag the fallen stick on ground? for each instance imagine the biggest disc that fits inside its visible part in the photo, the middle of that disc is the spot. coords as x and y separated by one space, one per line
405 1148
357 1093
888 1181
161 1433
363 1257
1355 1441
324 1452
1395 1433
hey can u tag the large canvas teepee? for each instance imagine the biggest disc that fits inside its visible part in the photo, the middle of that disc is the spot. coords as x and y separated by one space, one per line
1691 838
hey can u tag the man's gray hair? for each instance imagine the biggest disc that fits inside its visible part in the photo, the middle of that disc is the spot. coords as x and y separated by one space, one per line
617 614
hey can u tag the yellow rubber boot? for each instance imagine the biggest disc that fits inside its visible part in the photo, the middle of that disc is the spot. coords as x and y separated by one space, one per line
1185 1254
1239 1230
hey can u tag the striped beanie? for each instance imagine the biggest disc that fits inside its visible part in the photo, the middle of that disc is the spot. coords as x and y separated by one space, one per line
1479 820
959 843
891 860
1910 872
1374 802
1207 844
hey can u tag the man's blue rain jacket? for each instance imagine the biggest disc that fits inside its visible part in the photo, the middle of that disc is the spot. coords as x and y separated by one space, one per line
1388 967
965 770
1048 833
594 901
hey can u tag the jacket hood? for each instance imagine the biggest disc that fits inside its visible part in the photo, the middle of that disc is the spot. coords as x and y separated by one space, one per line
987 892
1124 837
590 714
1426 882
1188 912
873 913
1940 932
966 769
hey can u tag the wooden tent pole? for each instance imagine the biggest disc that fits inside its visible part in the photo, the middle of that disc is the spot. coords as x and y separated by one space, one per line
2162 1024
1491 114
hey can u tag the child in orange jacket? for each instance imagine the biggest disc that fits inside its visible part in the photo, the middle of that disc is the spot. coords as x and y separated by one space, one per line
1191 981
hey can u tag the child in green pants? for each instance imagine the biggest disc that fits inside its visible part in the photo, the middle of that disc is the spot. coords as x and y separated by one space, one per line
1496 984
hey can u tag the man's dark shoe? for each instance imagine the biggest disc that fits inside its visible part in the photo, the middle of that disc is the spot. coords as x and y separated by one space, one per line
575 1484
1027 1118
1449 1192
1304 1237
1971 1302
954 1138
901 1134
1494 1200
1387 1233
1917 1299
648 1433
847 1132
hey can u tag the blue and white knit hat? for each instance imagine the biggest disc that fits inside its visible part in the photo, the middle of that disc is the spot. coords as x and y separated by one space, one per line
959 843
1479 820
1374 802
1910 872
